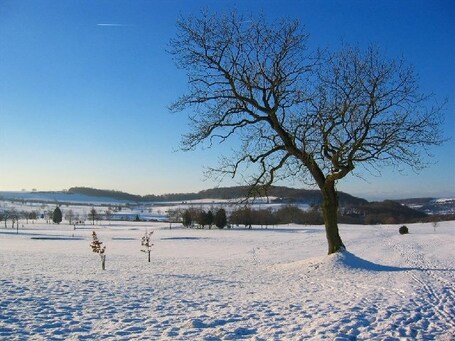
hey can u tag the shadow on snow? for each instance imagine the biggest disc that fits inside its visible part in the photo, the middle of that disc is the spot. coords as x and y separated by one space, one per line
349 260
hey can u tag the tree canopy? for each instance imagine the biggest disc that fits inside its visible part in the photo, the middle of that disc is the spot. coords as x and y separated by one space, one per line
305 114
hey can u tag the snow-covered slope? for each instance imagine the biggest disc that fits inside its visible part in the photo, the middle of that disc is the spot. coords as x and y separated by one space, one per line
57 197
273 284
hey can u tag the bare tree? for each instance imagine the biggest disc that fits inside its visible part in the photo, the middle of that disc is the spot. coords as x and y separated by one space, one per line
174 216
93 215
187 218
312 116
49 215
435 225
108 214
69 216
4 216
26 215
14 215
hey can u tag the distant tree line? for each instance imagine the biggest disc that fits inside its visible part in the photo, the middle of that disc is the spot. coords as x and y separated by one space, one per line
247 217
200 218
56 216
387 212
14 215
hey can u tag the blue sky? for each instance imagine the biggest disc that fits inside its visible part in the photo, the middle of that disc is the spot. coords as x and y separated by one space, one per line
83 103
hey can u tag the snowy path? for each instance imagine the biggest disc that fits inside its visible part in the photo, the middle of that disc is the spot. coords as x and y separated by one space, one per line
224 285
432 282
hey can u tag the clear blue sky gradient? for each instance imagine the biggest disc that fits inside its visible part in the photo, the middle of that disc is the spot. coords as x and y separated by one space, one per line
85 104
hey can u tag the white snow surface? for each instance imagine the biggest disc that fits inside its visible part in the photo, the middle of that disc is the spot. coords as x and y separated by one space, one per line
259 284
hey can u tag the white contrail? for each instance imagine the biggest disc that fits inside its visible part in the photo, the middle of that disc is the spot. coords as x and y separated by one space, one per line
113 25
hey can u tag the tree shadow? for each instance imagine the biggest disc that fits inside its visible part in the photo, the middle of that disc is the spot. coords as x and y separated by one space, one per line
42 236
184 238
354 262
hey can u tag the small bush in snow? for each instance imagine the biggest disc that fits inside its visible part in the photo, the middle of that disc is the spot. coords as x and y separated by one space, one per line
435 224
403 229
97 247
146 243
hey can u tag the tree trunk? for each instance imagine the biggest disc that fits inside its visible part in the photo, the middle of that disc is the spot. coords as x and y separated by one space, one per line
103 262
149 256
330 211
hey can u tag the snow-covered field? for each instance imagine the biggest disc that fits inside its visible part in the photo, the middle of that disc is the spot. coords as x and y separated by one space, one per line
260 284
158 211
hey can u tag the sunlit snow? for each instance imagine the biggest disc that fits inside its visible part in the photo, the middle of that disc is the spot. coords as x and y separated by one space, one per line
259 284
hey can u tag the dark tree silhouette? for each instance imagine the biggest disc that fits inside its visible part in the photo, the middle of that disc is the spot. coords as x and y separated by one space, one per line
220 219
187 219
201 218
209 217
57 216
315 117
242 216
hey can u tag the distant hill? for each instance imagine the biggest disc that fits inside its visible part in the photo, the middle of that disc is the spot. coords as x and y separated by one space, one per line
384 212
353 209
282 194
431 205
103 193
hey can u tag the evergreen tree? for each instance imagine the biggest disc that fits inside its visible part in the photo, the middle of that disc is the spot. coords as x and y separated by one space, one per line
201 218
220 218
209 218
57 216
